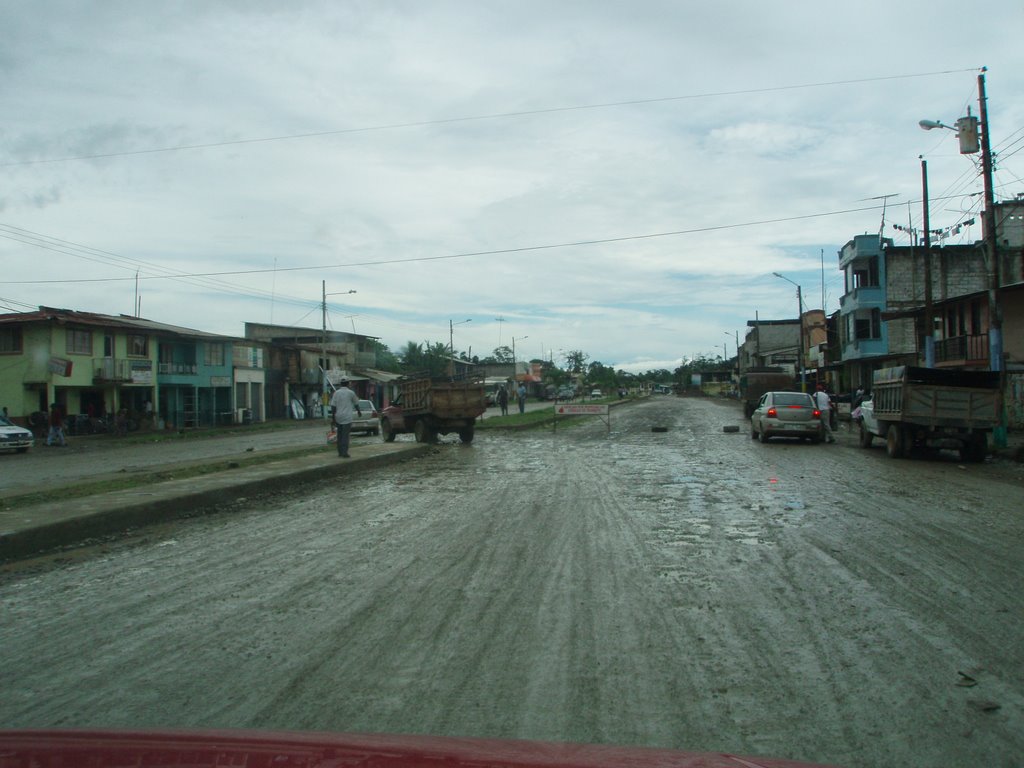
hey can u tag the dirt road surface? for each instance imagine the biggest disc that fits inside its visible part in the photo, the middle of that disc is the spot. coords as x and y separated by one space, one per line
691 589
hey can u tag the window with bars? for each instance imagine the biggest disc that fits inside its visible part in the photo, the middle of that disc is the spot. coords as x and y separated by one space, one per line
10 340
79 342
138 345
213 354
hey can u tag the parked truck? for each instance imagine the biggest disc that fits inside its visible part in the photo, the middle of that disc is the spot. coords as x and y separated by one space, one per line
931 408
428 407
756 381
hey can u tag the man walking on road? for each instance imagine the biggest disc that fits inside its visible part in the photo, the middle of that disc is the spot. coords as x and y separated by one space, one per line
824 403
344 403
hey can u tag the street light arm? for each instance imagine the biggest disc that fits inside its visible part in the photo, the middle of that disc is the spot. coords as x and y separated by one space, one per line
928 125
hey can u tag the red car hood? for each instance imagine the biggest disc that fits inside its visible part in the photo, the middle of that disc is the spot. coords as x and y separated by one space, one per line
279 749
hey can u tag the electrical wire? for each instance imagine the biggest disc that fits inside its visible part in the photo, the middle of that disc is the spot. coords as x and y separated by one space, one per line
469 254
477 118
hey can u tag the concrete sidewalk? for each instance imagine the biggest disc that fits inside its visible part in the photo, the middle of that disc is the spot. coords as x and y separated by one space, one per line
36 529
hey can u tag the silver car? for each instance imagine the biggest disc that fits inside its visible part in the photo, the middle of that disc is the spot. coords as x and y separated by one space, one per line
369 421
786 414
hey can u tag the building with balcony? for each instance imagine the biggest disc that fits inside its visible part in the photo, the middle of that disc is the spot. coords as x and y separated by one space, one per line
306 363
96 365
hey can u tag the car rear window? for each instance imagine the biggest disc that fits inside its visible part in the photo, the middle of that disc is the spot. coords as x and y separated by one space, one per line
794 398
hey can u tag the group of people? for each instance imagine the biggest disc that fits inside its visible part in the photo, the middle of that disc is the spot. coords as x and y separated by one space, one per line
503 399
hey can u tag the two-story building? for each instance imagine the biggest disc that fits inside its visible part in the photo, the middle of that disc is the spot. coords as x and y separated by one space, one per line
305 364
93 364
84 362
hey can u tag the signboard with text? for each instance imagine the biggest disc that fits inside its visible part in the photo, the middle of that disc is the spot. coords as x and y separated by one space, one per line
568 409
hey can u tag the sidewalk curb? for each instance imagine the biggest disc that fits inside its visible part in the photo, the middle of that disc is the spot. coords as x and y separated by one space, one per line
45 528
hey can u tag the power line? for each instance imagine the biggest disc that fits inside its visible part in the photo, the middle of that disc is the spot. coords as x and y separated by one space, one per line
476 118
495 252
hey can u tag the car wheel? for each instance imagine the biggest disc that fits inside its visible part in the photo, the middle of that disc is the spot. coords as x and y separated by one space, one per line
753 432
762 435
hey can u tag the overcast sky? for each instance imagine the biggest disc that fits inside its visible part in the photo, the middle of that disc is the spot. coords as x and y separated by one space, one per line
620 178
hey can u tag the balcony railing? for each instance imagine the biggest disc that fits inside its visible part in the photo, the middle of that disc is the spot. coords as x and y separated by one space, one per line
962 349
110 369
178 369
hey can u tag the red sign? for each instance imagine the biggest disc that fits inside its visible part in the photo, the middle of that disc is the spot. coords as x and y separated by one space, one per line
59 366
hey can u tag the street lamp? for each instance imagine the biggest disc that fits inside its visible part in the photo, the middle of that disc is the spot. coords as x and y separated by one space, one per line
323 336
800 320
514 340
975 135
451 345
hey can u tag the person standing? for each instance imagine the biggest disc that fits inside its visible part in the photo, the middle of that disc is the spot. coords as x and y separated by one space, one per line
522 398
344 404
56 427
824 403
503 400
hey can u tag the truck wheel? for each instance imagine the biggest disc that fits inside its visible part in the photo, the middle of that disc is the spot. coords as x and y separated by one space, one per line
865 436
424 434
975 449
466 435
894 441
385 428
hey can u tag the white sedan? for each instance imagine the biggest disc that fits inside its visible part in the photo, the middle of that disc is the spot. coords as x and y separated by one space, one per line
13 437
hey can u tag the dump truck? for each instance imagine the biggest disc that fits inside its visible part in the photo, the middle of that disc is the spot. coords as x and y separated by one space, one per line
756 381
931 408
429 407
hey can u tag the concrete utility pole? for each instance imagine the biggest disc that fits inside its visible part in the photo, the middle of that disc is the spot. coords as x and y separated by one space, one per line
929 313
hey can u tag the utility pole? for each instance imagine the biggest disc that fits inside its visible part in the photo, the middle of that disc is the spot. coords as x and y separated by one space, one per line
800 319
995 333
929 313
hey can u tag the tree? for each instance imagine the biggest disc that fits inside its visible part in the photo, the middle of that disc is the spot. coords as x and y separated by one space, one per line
386 360
503 354
576 361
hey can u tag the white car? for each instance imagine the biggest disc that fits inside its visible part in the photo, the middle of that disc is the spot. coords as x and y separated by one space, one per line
13 437
596 393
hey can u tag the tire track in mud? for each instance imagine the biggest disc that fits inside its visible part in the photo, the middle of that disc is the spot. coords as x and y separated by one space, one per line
689 589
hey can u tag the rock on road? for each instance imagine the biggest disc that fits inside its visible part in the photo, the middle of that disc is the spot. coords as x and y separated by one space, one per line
690 589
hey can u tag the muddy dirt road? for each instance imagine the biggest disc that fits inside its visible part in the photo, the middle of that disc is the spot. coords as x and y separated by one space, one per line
689 589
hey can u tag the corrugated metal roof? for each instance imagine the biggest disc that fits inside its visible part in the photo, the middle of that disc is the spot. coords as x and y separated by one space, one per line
126 322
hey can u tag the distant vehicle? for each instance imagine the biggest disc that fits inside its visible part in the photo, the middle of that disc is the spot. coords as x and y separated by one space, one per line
565 393
13 437
428 408
369 422
786 414
931 408
756 381
596 393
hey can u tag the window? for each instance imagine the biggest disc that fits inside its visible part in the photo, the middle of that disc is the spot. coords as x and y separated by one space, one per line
10 340
213 354
138 346
79 342
868 327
